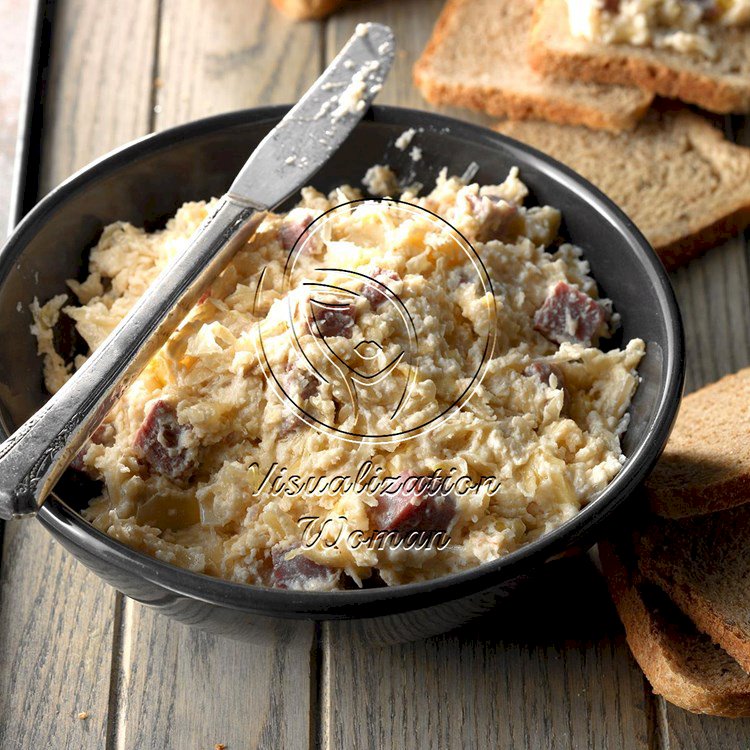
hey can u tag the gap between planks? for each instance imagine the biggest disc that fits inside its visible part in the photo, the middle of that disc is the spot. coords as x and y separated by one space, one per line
130 622
56 619
202 689
473 687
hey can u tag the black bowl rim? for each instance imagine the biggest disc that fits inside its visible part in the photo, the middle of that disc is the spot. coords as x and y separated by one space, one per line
79 534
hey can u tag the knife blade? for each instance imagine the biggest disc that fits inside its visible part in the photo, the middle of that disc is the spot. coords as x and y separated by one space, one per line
34 457
323 117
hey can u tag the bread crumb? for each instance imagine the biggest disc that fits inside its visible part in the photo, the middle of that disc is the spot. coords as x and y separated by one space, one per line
220 746
416 153
83 715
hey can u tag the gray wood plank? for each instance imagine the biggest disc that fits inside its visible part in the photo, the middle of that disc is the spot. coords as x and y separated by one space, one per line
473 688
180 688
56 631
714 298
412 22
216 57
14 42
545 672
688 731
58 621
543 679
98 95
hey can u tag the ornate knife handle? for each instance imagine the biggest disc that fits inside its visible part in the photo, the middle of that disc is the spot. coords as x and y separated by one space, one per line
35 456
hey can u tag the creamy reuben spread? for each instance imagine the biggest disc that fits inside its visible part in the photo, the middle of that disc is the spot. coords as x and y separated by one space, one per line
681 25
373 392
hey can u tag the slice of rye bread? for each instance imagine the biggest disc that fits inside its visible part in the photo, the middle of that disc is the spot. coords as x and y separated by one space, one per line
721 85
476 58
303 10
684 185
705 466
682 664
703 565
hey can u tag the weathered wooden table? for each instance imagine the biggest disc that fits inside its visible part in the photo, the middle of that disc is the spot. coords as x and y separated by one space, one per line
555 673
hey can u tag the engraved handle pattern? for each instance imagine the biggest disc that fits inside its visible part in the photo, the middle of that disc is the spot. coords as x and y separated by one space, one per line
34 457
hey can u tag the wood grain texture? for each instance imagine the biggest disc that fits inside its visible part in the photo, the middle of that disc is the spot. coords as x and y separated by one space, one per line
56 628
552 671
180 688
688 731
56 619
714 296
223 55
412 22
98 95
14 43
472 689
544 673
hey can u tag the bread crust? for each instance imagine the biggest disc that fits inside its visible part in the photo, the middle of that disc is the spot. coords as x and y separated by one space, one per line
304 10
729 637
676 242
705 466
702 566
683 503
503 103
656 648
628 65
684 249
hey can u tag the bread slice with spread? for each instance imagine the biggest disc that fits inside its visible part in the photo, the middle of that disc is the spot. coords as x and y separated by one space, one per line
476 58
719 83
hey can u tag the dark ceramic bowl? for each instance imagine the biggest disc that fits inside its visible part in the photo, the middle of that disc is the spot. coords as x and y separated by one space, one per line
146 182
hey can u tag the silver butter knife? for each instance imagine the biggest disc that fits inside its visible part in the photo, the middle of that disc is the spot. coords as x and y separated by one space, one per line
35 456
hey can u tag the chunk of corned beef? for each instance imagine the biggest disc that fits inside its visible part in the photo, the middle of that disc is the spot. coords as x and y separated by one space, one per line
299 572
293 226
333 320
497 219
544 371
104 434
299 383
160 442
569 315
373 293
413 506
